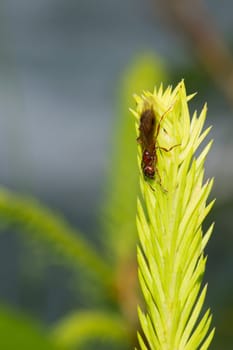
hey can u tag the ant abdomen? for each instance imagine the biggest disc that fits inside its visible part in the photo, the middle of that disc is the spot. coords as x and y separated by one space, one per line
149 171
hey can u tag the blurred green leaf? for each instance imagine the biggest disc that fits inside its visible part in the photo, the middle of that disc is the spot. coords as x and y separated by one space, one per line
78 328
120 205
20 332
54 232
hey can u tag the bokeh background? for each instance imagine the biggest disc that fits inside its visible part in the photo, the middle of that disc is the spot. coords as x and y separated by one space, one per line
62 66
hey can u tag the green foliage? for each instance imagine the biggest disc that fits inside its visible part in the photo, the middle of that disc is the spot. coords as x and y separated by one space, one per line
171 253
165 239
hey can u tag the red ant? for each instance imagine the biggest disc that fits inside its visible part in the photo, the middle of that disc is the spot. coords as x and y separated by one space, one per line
148 138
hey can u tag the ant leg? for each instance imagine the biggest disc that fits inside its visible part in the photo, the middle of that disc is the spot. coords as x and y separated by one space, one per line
159 124
168 149
151 187
160 181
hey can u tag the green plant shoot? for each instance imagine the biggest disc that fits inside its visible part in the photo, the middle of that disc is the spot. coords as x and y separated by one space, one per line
169 220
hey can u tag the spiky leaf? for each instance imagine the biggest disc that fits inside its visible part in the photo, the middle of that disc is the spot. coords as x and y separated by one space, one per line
169 221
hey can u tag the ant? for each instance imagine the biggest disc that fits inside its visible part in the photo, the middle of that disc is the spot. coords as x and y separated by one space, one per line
148 134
